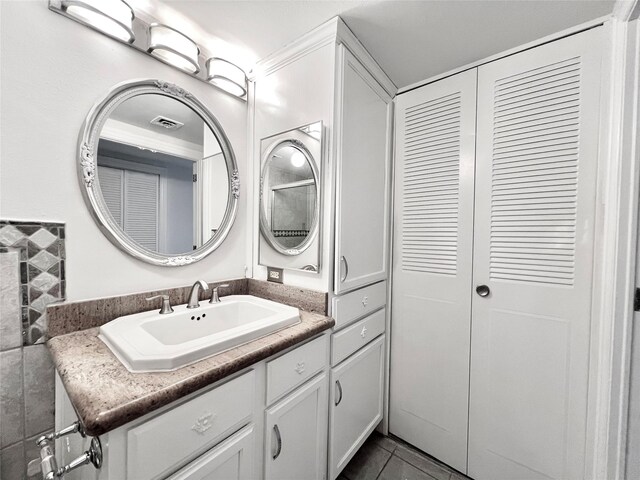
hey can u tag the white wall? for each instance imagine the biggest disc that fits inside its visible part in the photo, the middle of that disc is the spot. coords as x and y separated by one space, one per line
53 70
297 94
633 431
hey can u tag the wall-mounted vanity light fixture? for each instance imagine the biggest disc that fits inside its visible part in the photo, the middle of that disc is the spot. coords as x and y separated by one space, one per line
117 19
114 18
173 47
227 76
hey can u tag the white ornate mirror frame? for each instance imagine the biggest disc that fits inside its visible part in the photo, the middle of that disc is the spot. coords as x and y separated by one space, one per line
87 168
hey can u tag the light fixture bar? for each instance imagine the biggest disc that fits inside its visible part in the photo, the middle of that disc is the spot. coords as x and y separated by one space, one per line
116 19
227 76
113 17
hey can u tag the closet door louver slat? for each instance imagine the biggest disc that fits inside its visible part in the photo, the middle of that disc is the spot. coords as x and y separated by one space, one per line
424 126
524 190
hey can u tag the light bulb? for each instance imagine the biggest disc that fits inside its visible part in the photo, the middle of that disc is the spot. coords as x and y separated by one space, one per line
298 159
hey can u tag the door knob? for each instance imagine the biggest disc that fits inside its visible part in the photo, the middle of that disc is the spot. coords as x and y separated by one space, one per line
483 290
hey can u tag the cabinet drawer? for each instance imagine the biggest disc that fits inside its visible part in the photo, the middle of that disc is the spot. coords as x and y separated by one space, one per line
356 336
292 369
231 460
355 305
168 440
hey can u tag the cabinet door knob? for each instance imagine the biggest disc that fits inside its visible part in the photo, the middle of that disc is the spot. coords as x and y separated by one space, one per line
337 402
300 368
276 430
343 261
365 301
483 290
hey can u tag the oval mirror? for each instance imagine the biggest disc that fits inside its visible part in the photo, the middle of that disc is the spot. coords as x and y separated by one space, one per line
289 197
158 173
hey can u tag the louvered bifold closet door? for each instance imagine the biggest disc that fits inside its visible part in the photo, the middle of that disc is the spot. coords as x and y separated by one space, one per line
141 208
433 229
538 115
112 189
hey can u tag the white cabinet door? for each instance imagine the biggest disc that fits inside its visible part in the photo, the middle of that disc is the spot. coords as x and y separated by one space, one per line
362 180
355 402
230 460
538 116
432 260
296 434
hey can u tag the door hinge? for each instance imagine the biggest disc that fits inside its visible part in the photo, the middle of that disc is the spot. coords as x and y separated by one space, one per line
636 301
195 177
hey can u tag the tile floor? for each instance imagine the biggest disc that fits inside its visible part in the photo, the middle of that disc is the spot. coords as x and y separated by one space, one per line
388 458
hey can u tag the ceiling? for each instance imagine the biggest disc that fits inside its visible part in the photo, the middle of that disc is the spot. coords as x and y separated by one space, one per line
141 109
411 39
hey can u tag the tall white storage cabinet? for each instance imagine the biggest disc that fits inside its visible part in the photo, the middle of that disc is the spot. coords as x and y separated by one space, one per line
328 69
362 177
497 309
363 164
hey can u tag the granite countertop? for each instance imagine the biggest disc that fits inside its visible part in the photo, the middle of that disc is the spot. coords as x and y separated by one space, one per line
106 395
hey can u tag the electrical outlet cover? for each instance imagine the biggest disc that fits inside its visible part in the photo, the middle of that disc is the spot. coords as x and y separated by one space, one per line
274 274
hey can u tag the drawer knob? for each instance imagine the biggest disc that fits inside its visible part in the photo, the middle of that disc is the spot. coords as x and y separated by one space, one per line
365 301
203 423
300 367
363 333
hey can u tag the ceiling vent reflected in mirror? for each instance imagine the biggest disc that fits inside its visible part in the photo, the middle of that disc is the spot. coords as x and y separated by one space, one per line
167 123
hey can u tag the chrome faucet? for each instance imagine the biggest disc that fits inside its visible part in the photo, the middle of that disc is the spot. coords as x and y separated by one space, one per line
166 303
194 293
214 296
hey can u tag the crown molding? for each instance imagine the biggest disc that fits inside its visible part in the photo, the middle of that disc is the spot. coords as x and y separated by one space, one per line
320 36
333 31
626 10
349 40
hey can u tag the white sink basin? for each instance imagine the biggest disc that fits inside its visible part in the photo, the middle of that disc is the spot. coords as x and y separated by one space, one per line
150 342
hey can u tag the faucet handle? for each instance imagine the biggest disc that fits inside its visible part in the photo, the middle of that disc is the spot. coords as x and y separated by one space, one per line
214 295
166 303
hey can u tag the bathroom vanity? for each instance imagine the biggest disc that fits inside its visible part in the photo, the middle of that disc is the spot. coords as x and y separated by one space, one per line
296 403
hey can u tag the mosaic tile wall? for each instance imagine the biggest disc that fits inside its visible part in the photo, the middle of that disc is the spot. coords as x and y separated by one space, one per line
32 259
42 277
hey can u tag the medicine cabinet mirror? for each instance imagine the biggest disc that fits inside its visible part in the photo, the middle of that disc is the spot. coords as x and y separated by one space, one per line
158 173
290 199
